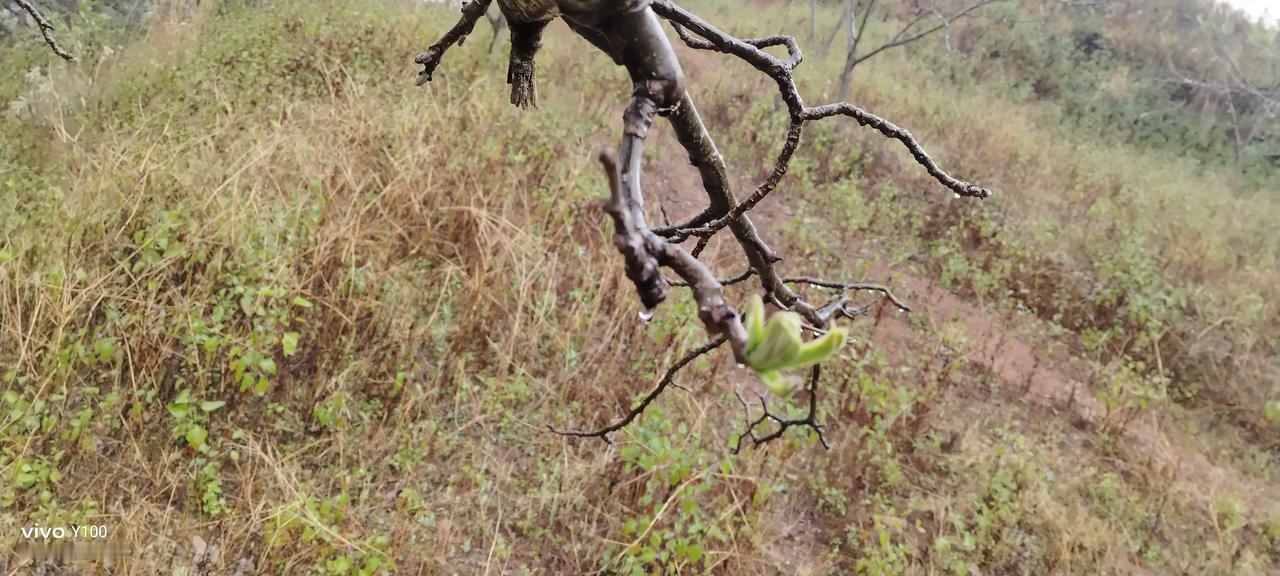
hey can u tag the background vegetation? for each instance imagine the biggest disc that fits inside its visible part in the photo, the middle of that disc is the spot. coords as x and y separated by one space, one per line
267 308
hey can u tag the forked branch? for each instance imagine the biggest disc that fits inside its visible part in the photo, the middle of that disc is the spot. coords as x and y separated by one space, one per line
472 12
667 380
633 38
809 421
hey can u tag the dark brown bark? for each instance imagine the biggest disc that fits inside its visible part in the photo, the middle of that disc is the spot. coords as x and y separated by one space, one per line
526 40
633 37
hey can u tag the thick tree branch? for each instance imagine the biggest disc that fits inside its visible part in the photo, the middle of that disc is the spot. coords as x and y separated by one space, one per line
644 252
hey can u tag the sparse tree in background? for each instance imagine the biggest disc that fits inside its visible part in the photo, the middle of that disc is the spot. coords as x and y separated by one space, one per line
631 34
924 19
499 24
1246 105
813 22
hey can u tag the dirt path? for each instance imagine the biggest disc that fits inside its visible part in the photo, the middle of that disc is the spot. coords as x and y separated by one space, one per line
1050 380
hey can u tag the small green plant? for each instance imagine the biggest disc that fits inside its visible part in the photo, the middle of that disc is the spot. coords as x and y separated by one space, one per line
318 523
1132 391
1229 513
1271 413
777 346
679 517
882 555
191 418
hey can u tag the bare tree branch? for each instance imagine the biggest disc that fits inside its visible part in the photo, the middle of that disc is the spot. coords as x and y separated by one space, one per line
903 36
780 71
831 37
46 30
667 379
633 38
943 23
1249 108
472 12
856 38
809 421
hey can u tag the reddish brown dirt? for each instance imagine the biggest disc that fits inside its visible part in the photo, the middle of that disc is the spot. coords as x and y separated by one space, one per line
1043 377
1049 380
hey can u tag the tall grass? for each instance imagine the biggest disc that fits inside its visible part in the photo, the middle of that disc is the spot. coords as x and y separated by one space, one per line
1148 254
257 289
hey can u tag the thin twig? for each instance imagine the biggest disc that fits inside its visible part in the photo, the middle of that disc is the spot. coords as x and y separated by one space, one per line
865 286
648 399
743 277
809 421
46 30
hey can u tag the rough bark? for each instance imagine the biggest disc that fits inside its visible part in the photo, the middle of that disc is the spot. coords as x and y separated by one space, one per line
632 36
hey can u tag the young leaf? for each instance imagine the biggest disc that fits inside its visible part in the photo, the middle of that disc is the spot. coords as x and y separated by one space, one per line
819 350
289 342
755 323
178 410
777 345
781 386
196 435
781 341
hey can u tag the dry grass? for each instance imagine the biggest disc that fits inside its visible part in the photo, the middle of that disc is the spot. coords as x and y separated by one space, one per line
420 281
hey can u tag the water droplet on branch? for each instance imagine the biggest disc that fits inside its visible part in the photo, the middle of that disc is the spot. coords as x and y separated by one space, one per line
646 315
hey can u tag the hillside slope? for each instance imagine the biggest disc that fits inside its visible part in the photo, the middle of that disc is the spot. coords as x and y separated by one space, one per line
267 308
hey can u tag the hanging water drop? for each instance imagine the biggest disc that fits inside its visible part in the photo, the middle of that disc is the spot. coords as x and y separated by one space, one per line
957 195
646 315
